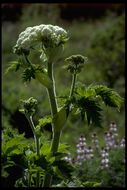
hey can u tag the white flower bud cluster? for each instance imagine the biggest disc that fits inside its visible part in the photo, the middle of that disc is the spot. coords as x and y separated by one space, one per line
110 140
89 153
105 158
83 153
81 148
46 35
111 137
95 140
113 129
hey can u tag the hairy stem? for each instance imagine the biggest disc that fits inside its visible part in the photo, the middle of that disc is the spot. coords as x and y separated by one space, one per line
56 132
37 140
53 104
51 91
73 84
37 144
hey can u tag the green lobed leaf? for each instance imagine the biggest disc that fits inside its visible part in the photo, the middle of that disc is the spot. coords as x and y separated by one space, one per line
88 101
28 74
91 109
63 148
45 120
13 144
109 96
84 91
45 149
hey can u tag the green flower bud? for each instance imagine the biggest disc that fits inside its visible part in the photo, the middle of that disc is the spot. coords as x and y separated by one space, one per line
29 106
76 63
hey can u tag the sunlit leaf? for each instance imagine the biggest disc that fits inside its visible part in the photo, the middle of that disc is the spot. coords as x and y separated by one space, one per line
13 66
109 96
45 149
45 120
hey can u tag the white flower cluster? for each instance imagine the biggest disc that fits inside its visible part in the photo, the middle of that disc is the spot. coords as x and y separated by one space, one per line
111 137
83 152
113 128
47 35
110 140
105 159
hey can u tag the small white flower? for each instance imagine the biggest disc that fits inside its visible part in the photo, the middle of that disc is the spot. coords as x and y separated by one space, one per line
96 140
78 157
84 151
106 154
107 147
79 151
81 143
66 158
102 151
46 31
108 135
103 161
103 155
115 129
82 157
91 155
78 145
106 165
106 160
122 145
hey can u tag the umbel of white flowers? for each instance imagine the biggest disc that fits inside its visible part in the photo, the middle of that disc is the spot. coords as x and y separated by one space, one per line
47 38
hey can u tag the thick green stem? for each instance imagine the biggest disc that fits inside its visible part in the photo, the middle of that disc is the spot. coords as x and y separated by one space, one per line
38 146
53 104
51 91
56 132
55 142
54 148
73 84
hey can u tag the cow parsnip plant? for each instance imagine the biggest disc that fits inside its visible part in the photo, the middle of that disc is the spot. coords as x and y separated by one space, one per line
49 41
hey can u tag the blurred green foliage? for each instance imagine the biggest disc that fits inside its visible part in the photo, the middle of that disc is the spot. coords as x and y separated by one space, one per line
101 40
